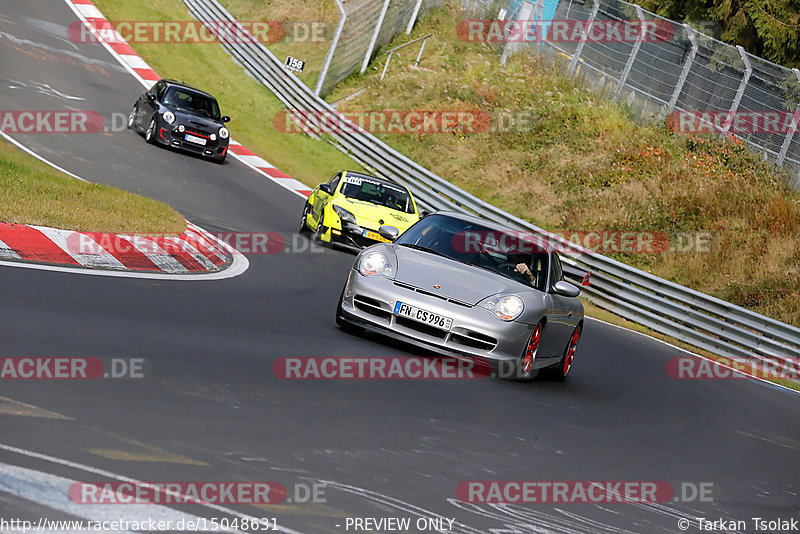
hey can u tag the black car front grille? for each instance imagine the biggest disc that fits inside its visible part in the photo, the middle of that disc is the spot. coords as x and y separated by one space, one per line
421 327
473 339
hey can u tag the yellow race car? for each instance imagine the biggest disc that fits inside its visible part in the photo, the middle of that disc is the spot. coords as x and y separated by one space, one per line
356 210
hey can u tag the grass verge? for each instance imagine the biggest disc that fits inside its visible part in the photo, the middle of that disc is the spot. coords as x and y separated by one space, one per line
32 192
251 106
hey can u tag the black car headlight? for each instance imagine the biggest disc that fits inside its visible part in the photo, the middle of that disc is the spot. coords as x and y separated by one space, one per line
223 133
169 117
344 215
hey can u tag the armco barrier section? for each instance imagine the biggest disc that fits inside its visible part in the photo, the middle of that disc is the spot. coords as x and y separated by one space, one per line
693 317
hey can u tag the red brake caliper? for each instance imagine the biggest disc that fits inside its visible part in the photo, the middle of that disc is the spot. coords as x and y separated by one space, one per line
530 353
573 343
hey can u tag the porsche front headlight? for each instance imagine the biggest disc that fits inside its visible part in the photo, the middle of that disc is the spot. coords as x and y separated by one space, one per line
375 263
506 308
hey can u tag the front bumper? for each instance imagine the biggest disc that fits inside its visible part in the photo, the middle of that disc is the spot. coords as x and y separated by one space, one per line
352 236
169 135
476 332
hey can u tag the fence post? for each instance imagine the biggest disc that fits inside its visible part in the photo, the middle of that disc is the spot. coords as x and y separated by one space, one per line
524 13
634 52
788 140
577 56
748 70
684 73
374 36
413 18
329 56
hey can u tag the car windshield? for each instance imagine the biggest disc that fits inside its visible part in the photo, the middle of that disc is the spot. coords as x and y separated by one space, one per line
377 192
192 102
473 244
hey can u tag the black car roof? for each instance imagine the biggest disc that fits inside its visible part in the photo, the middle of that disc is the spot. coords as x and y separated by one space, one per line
187 86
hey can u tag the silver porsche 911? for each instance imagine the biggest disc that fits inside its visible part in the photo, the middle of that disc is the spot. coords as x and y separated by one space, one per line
466 287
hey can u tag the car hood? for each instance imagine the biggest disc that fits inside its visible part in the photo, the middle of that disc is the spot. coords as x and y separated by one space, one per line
370 215
456 280
198 121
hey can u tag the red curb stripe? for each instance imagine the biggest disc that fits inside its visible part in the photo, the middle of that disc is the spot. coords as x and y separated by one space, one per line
178 254
82 2
123 48
275 173
239 150
197 239
147 74
33 245
124 251
305 192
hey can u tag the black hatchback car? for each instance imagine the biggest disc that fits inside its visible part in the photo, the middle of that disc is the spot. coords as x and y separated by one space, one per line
177 115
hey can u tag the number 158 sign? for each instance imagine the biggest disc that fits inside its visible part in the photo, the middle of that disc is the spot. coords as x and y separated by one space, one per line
294 64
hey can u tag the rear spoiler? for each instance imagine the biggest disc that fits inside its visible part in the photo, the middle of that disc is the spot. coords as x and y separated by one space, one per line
580 276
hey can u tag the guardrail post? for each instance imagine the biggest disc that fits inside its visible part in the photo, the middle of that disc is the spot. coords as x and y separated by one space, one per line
374 36
577 56
329 56
634 52
525 12
684 73
790 134
748 70
413 18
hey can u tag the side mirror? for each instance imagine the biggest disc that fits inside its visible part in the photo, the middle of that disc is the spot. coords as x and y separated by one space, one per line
423 214
225 118
566 289
150 96
389 232
325 188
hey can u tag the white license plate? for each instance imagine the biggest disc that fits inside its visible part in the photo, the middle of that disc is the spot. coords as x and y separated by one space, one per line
194 139
423 316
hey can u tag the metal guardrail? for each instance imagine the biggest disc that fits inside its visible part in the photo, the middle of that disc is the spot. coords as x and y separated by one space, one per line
690 316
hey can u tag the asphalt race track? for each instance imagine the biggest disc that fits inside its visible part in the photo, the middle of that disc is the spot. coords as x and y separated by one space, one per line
212 410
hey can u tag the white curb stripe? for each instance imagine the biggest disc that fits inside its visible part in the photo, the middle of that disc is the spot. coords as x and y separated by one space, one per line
156 254
53 491
68 241
89 11
253 161
193 252
135 62
8 252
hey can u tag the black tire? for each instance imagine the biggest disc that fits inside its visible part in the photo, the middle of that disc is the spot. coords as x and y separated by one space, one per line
132 118
304 229
560 371
320 229
150 133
